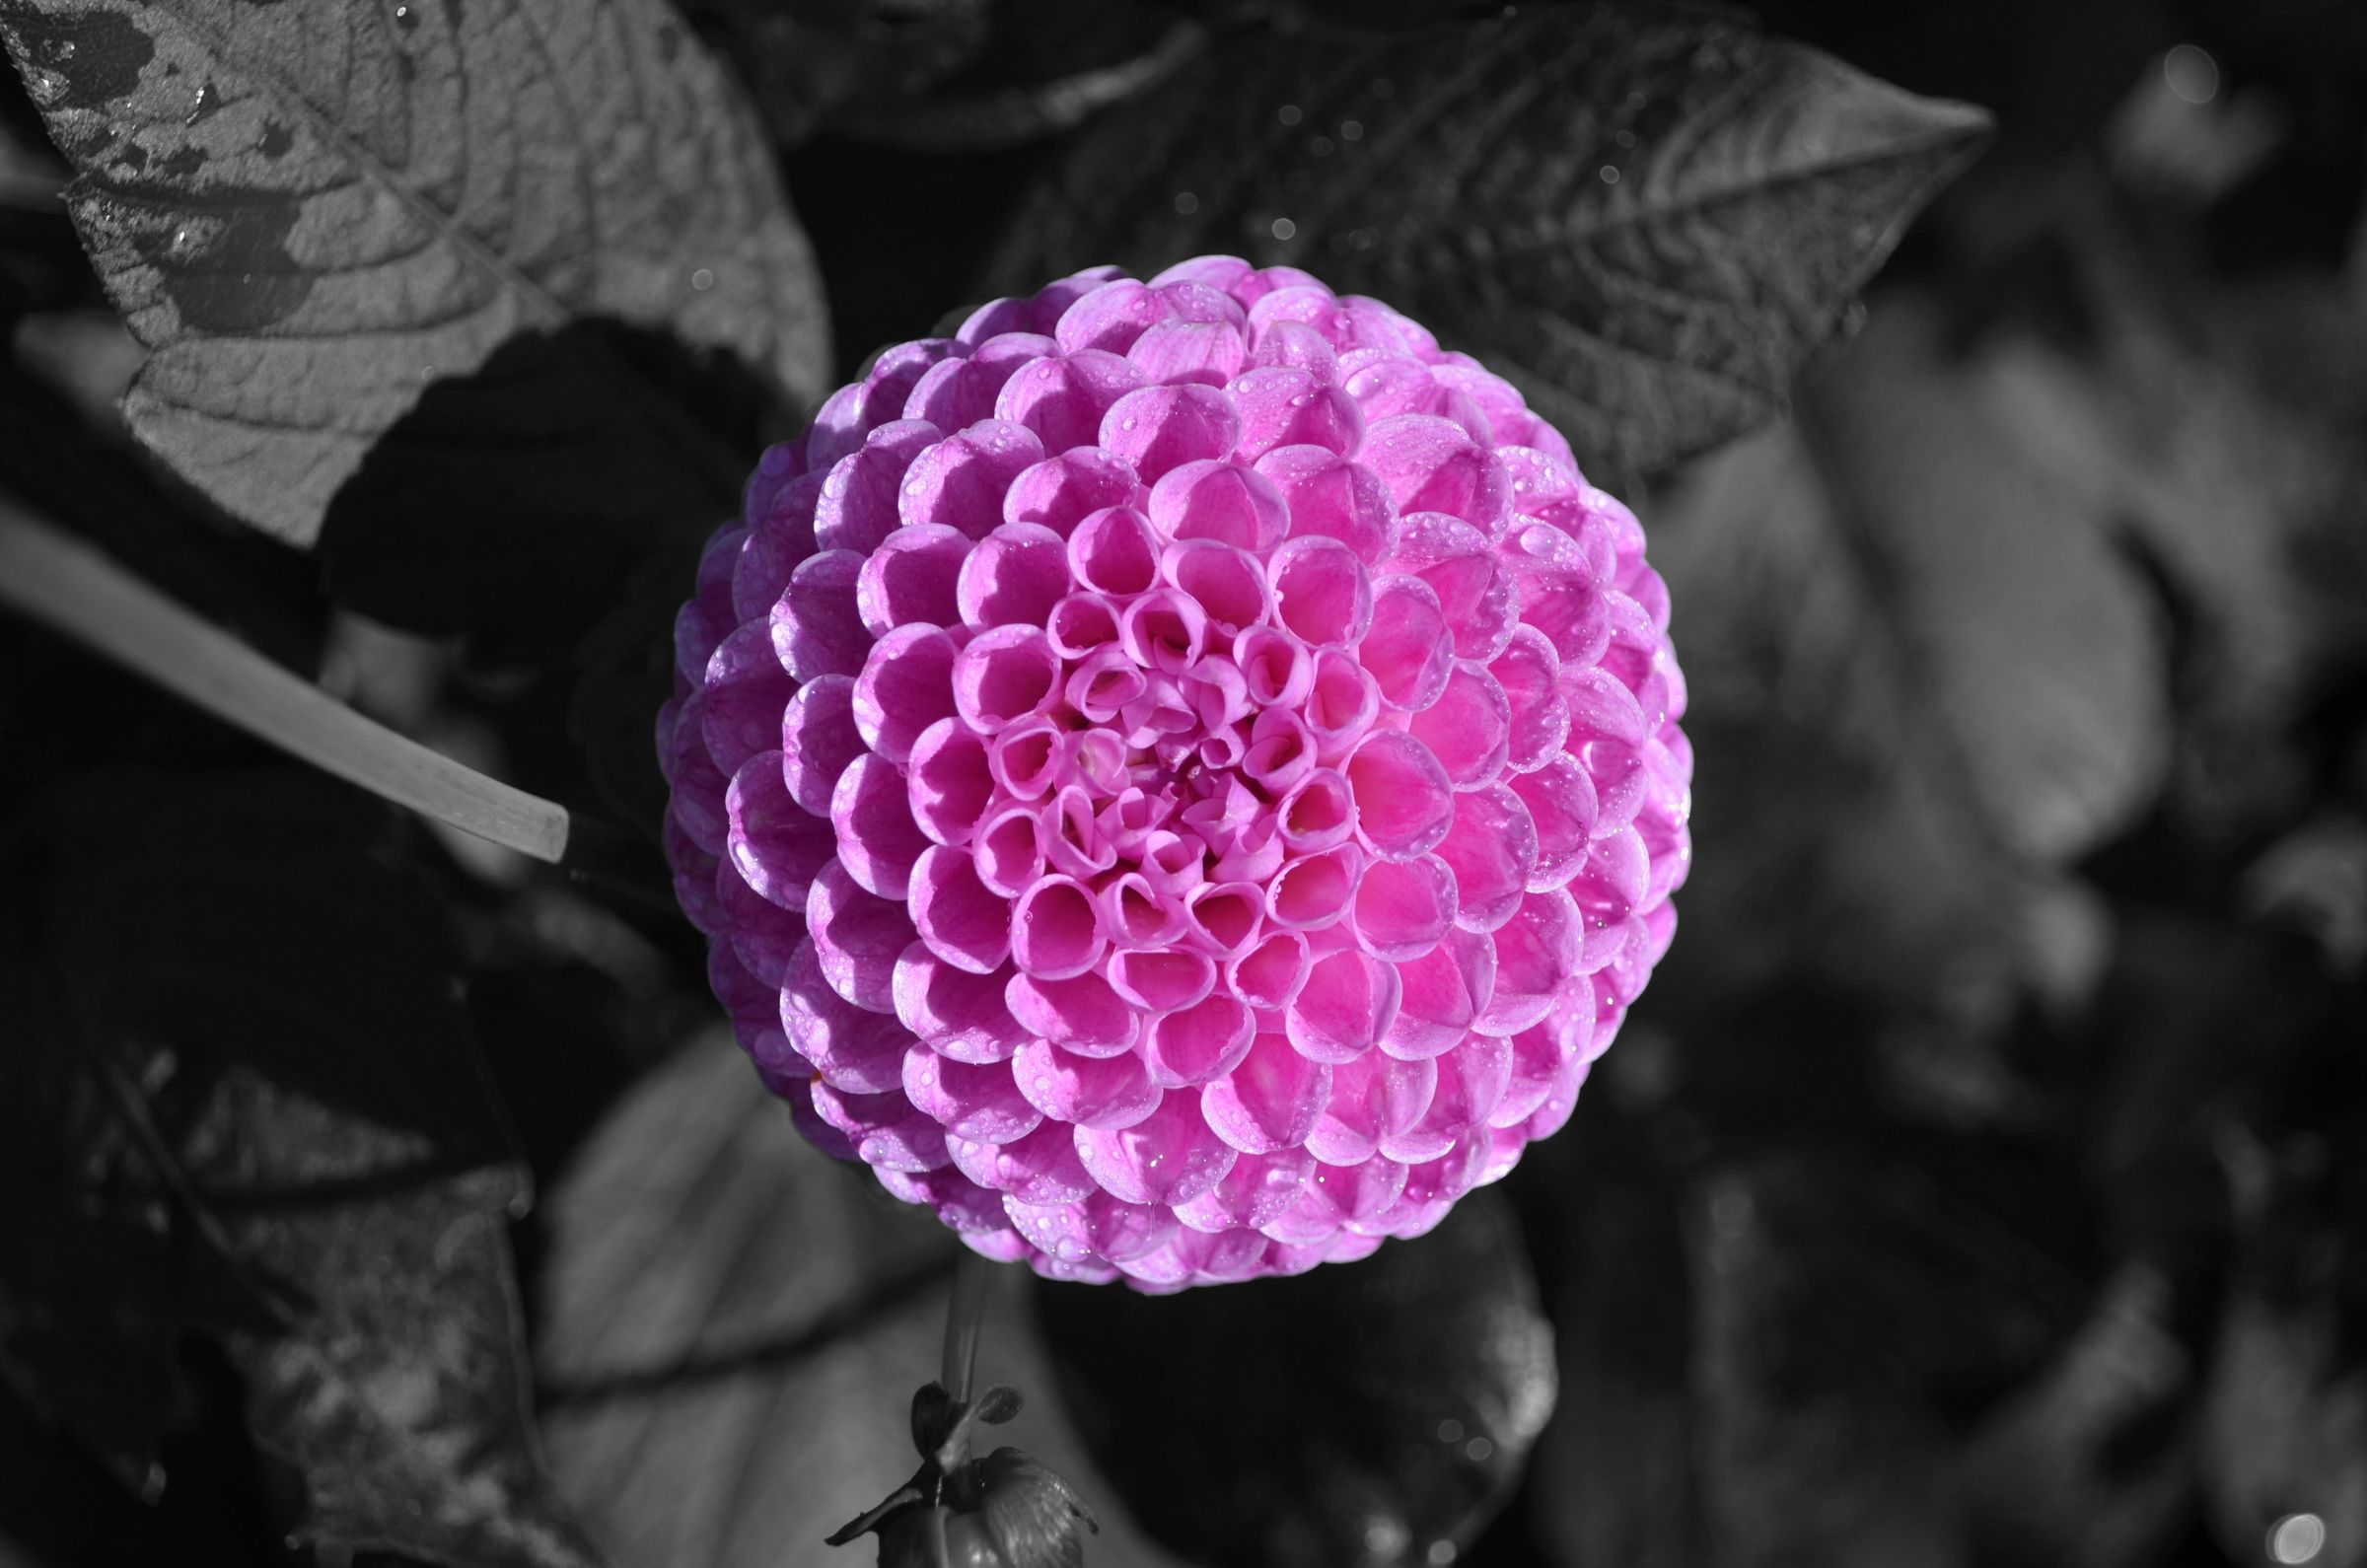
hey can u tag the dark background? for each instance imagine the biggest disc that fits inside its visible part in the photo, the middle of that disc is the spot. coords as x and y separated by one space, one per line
1980 1182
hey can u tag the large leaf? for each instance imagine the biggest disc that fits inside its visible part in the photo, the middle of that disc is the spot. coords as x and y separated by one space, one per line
1647 217
1374 1413
311 214
732 1329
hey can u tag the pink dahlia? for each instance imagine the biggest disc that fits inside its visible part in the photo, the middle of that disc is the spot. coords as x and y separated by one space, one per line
1181 778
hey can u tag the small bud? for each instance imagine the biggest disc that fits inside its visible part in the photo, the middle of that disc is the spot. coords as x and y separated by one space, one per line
1005 1511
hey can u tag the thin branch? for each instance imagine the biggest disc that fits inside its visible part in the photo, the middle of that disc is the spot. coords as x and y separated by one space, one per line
53 578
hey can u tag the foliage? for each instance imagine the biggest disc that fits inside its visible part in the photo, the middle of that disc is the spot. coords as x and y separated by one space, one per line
1981 1183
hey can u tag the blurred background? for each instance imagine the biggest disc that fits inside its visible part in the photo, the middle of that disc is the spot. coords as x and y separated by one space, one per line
1983 1179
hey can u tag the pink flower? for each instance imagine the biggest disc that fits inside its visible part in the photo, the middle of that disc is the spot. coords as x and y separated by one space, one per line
1181 778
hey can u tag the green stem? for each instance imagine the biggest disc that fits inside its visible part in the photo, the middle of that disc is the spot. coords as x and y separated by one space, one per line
53 578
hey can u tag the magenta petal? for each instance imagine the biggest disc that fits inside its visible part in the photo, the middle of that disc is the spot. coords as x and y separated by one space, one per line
1299 346
1290 407
950 781
959 918
858 1051
1539 1054
1269 1099
1321 592
1492 849
1258 1188
1208 499
1347 1004
1087 1091
956 1011
1331 497
761 934
1064 401
886 1130
777 845
1272 973
1403 908
1115 553
746 691
1015 575
1157 428
1469 727
961 481
1170 1157
910 580
819 740
1560 800
1005 676
1057 929
975 1101
1315 891
1403 804
1060 491
878 840
1009 849
905 685
1039 1168
1162 982
1432 464
816 629
1536 956
1408 648
1445 991
1227 583
857 509
1472 1079
1191 1045
1371 1098
858 938
1172 352
1082 1014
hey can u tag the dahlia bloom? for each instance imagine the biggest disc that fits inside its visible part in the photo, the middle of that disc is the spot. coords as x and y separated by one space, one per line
1181 778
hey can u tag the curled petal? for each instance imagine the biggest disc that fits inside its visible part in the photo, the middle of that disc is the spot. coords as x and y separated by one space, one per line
1162 982
958 1012
1081 625
1060 492
1254 1193
1341 703
1108 1092
1408 648
1469 729
886 1130
858 938
1536 956
1169 1157
949 780
1015 576
1227 583
1039 1168
958 393
1028 759
1445 991
1319 812
819 740
1322 593
1472 1079
859 1051
1115 553
1373 1096
1286 406
960 481
1008 850
1492 849
1404 805
1530 673
1272 973
1276 671
1346 1005
1191 1046
1081 1014
1403 908
746 691
1064 401
1313 892
905 685
1281 749
1005 676
878 840
1159 428
1057 929
1332 497
775 845
857 507
1223 918
963 921
1269 1099
968 1100
761 934
1560 800
1432 464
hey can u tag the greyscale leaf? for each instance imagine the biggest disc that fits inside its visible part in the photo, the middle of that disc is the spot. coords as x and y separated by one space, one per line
1647 217
311 213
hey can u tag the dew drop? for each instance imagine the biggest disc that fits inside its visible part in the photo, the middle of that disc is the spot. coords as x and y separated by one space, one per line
704 279
1284 229
1610 175
1186 203
1351 130
406 17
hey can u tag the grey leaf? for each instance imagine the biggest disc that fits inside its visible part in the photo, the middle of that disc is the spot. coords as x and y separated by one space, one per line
309 213
1647 217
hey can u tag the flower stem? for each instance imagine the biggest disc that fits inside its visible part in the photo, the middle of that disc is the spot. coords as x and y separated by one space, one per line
63 582
964 1316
